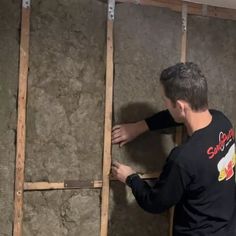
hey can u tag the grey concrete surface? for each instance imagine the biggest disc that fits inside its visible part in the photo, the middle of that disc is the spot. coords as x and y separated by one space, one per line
9 38
65 114
65 111
212 44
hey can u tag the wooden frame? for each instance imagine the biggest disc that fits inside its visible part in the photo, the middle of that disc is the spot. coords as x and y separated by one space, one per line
108 120
193 8
21 126
20 185
183 56
230 4
77 184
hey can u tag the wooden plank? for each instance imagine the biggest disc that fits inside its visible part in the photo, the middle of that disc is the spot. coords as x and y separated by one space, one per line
183 56
171 220
43 186
21 126
193 8
179 130
76 184
108 121
29 186
230 4
184 34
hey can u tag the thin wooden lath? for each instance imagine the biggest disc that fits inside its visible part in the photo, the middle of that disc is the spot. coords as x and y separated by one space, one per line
21 122
193 8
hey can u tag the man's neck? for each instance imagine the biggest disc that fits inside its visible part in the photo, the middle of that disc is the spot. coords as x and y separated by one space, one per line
197 120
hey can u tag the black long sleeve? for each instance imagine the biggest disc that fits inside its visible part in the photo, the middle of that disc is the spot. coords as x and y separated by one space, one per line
199 179
167 191
161 120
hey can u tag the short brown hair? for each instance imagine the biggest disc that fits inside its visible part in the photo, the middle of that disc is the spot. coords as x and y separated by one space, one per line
185 81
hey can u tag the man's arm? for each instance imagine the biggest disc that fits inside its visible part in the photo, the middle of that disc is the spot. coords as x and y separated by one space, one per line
167 191
124 133
161 120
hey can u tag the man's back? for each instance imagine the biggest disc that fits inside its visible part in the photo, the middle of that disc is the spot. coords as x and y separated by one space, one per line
198 176
207 160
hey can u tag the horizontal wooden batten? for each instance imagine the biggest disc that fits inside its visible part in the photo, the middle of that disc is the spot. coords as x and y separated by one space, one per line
193 8
76 184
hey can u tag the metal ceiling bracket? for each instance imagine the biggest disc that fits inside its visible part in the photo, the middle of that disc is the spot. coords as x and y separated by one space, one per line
25 3
204 10
111 9
184 18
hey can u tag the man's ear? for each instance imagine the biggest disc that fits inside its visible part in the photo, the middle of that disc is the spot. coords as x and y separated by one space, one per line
180 105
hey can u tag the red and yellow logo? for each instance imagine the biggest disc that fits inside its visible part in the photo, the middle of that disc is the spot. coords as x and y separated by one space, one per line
226 165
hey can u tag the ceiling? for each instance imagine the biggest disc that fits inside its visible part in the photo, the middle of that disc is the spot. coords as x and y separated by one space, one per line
218 3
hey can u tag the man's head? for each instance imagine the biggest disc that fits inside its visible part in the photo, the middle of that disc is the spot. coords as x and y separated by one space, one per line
184 86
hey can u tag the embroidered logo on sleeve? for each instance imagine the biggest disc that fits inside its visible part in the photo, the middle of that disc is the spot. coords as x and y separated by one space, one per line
226 165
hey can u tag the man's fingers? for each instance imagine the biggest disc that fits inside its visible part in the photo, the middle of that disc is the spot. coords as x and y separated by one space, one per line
115 164
116 131
116 127
123 143
114 169
117 140
116 135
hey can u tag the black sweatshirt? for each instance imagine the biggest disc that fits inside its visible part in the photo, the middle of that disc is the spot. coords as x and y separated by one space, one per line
198 178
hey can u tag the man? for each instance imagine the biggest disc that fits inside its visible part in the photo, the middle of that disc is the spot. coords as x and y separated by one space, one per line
198 176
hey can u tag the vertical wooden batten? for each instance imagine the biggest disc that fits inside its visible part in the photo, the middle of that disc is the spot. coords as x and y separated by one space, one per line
21 121
108 121
179 130
184 33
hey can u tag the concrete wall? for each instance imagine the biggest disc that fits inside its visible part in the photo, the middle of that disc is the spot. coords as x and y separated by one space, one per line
66 105
65 115
9 47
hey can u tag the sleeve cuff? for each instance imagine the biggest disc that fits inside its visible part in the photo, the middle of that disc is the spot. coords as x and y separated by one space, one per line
130 178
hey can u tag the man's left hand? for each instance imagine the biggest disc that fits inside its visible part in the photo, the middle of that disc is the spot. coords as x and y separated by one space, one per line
120 171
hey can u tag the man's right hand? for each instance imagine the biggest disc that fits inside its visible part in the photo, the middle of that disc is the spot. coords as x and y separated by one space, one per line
124 133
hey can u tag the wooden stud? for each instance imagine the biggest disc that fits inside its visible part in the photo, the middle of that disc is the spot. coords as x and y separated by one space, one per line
179 130
171 219
193 8
23 75
230 4
29 186
184 34
108 121
21 126
76 184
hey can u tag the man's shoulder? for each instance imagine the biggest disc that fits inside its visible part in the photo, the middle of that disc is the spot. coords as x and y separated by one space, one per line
220 122
218 114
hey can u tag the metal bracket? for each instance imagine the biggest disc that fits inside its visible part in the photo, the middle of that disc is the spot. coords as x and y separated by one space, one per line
184 17
204 10
25 3
111 9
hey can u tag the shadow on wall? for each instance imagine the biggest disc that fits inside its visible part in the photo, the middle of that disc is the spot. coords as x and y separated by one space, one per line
128 219
147 153
149 150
